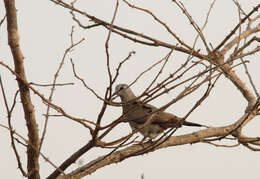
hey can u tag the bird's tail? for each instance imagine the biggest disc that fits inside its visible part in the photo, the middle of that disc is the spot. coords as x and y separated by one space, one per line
186 123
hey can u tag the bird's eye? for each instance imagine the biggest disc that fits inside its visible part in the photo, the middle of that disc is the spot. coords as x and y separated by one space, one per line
121 88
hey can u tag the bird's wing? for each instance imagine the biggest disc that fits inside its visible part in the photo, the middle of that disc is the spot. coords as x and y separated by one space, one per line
166 120
144 112
139 112
159 117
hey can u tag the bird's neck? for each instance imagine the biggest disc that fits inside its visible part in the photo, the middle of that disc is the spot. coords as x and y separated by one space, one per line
127 96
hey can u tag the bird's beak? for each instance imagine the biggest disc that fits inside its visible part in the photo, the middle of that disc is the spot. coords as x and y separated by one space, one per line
114 95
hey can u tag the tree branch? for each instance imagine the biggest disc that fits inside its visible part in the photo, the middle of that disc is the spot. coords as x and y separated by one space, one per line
28 108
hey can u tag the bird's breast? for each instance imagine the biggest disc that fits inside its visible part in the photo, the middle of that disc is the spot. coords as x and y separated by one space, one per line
151 130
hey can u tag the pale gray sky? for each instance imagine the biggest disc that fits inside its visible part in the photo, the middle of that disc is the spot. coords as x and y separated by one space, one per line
44 30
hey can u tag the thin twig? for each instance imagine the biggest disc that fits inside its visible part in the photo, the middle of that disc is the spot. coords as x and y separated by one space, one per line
108 55
47 85
1 22
47 102
193 23
235 28
28 143
120 65
160 71
221 145
9 116
83 81
72 45
160 22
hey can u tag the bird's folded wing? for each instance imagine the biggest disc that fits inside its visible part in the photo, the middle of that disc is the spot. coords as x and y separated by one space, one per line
139 112
160 117
166 120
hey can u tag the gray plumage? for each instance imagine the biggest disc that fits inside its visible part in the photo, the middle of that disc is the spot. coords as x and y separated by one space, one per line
137 113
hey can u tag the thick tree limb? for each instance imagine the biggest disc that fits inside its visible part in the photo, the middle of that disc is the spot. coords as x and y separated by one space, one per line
191 138
28 108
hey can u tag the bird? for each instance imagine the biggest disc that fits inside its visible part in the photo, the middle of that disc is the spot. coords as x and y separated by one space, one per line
145 118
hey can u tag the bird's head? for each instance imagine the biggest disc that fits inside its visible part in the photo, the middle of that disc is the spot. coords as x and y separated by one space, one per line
120 89
124 92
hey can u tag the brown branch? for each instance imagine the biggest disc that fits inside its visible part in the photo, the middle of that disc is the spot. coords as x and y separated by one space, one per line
47 85
9 116
221 145
107 155
126 153
72 45
94 133
84 83
252 52
76 155
205 95
151 67
205 23
27 142
251 147
120 65
250 140
235 29
236 132
153 144
70 160
2 21
116 29
243 35
212 58
232 76
193 23
250 78
240 25
176 140
180 83
160 71
78 22
186 91
47 102
32 127
108 55
139 151
160 22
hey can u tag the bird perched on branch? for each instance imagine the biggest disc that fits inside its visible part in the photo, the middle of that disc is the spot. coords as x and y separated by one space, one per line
145 118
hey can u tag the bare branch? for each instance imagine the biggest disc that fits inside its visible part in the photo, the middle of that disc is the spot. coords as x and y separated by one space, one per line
126 153
9 116
120 65
72 45
28 108
119 30
221 145
160 22
235 29
84 83
1 22
47 85
41 154
46 101
108 56
193 23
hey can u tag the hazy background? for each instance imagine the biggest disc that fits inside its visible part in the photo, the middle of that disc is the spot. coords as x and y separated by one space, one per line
44 30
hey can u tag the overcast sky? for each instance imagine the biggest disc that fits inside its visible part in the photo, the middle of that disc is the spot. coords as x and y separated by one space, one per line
44 30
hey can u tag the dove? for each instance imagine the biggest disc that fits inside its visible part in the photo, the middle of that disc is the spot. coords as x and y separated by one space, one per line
146 118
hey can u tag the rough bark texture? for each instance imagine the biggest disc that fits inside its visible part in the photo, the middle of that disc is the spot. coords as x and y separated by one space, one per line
28 108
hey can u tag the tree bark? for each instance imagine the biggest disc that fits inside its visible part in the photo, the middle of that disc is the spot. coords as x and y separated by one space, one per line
28 108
